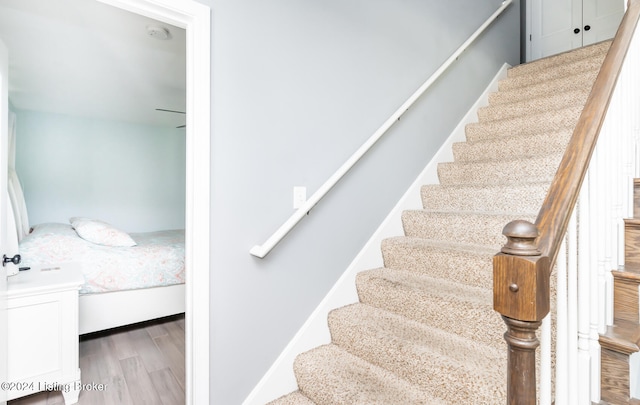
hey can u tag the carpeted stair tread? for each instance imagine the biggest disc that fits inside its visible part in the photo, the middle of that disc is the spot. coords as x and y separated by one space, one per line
585 52
462 227
552 101
452 307
582 80
525 197
295 398
554 72
508 147
462 263
546 122
329 375
529 169
428 357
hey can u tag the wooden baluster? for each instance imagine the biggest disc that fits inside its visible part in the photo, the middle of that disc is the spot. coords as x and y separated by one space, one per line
521 295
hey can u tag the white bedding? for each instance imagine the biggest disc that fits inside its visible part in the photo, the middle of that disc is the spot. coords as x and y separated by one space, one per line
156 260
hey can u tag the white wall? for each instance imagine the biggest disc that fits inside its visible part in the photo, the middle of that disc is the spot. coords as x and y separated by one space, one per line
297 86
130 175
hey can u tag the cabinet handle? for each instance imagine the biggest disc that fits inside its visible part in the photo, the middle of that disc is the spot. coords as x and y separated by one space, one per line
577 30
587 27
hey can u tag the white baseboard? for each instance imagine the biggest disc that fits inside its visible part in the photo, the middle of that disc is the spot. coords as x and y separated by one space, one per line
280 380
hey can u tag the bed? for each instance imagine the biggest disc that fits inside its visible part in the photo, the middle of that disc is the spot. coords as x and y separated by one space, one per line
128 278
128 281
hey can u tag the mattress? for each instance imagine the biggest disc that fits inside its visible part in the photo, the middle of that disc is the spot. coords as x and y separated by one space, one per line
156 260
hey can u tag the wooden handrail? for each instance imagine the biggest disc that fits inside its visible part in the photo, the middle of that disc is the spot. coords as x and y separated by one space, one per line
556 210
521 270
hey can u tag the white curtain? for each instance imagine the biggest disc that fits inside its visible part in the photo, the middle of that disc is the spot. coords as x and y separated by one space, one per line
16 197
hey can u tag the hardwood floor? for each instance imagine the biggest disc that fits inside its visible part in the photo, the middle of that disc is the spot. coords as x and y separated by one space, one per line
138 364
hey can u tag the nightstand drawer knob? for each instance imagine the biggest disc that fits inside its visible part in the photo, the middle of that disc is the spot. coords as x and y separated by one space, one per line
15 260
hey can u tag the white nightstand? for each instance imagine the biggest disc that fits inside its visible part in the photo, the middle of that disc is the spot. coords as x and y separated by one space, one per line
42 312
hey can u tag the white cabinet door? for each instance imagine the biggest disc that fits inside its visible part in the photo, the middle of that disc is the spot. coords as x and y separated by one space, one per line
602 17
561 25
553 25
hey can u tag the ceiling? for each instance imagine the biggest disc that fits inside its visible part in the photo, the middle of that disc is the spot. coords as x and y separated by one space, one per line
88 59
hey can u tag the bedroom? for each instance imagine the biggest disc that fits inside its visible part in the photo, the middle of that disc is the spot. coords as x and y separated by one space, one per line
97 157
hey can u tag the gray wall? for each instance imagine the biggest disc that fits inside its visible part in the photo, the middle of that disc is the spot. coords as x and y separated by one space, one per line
130 175
297 87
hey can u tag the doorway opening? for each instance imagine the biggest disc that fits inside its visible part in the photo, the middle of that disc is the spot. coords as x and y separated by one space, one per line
195 19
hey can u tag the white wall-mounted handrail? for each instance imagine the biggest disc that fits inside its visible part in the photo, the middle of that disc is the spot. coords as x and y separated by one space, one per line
264 249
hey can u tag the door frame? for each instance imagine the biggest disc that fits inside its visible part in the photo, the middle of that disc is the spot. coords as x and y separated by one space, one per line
195 18
527 30
4 228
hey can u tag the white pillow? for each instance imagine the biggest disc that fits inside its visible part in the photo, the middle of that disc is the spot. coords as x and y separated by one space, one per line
100 232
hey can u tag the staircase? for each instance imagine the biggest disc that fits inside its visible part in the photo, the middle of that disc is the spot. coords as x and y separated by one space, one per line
424 330
622 340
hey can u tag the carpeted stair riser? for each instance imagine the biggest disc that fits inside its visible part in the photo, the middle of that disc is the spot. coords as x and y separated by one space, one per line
600 48
531 169
454 308
548 102
582 80
460 227
552 73
461 263
453 198
512 146
427 357
548 121
329 375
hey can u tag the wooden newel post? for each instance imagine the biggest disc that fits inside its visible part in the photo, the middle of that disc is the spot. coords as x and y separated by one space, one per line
521 295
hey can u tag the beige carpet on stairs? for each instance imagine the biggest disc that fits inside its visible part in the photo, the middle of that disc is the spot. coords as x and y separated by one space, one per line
424 331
